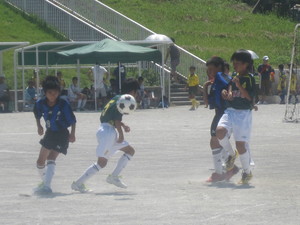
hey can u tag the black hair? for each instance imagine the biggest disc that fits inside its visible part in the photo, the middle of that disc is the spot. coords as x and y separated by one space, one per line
226 65
140 78
216 61
243 56
74 78
192 67
51 83
281 66
172 39
129 85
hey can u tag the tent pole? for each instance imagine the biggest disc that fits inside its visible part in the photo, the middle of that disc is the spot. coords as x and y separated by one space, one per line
78 72
120 87
162 81
1 63
23 79
37 71
95 92
15 80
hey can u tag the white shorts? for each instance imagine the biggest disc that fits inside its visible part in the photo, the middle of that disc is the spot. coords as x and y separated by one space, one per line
101 91
238 122
107 141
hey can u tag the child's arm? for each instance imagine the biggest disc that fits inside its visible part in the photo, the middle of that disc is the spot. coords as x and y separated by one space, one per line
125 127
227 94
205 94
118 125
72 137
40 129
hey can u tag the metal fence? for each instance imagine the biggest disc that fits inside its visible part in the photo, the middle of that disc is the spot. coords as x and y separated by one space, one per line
72 27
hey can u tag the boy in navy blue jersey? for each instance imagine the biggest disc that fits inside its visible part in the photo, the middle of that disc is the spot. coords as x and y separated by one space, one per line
218 81
237 118
110 140
58 116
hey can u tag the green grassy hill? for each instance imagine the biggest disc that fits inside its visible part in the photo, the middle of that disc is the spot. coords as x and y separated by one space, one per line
14 28
213 27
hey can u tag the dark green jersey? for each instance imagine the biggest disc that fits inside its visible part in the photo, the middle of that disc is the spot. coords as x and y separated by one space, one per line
238 102
110 112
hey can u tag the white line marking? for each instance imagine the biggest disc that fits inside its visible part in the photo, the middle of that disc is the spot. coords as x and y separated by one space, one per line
17 152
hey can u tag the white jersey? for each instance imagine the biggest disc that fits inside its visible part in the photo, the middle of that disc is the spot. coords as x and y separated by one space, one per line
98 72
73 90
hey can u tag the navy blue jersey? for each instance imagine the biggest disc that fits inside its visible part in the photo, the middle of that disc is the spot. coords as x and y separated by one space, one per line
220 83
59 116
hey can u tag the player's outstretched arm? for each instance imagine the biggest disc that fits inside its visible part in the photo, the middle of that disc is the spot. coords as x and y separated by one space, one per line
125 127
40 129
72 137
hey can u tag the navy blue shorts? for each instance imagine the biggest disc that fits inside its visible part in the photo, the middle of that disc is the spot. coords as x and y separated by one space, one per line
56 140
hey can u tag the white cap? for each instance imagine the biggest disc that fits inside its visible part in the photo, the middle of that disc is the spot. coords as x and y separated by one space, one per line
266 58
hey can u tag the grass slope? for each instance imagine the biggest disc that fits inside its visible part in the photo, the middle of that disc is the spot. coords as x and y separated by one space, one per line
213 27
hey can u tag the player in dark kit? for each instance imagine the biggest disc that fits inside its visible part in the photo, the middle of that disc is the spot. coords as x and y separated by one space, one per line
110 140
58 116
218 81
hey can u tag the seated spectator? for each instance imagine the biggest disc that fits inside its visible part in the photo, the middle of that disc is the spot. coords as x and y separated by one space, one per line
30 95
75 94
4 95
163 102
62 83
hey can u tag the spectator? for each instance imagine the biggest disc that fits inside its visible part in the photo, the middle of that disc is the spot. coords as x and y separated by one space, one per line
75 94
281 88
266 73
61 83
141 93
4 95
98 79
123 76
30 95
174 54
193 85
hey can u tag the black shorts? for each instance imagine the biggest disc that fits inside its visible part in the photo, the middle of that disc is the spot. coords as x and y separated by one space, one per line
214 123
193 90
56 140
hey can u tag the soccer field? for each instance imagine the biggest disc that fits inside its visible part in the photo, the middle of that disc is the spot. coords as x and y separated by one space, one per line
165 178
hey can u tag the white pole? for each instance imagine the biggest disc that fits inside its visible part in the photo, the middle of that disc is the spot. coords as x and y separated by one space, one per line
162 75
23 79
78 72
120 85
95 93
15 81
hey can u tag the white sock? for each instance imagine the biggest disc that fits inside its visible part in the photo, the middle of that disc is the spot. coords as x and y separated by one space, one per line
41 171
248 150
91 171
224 155
217 156
83 103
50 169
245 161
79 103
121 164
225 143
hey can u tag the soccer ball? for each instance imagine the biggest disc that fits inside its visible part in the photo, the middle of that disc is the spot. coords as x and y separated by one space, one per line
126 104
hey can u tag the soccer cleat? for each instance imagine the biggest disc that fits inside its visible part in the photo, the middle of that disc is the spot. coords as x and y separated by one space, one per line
230 161
192 108
231 172
115 181
79 187
216 177
42 190
246 178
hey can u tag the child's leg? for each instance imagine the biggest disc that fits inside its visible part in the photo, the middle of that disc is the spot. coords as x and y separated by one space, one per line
217 154
128 153
92 170
223 137
244 155
79 103
41 161
50 169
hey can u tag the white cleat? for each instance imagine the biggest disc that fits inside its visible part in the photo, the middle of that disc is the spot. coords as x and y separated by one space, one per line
115 181
79 187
